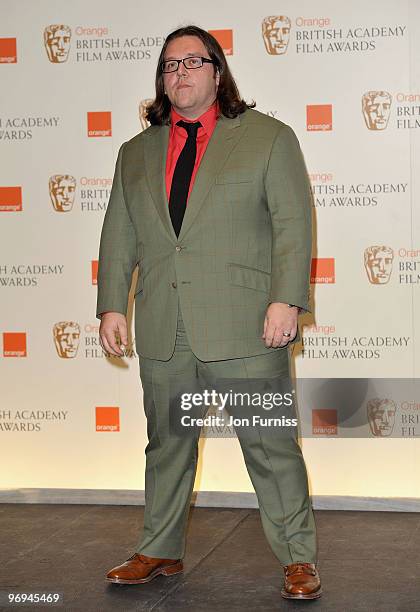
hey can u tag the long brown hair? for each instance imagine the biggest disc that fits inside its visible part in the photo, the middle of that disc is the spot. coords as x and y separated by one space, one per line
230 102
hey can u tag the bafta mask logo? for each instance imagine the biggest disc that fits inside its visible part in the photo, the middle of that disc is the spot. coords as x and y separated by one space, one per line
66 338
376 107
142 112
62 188
381 416
57 43
276 34
378 264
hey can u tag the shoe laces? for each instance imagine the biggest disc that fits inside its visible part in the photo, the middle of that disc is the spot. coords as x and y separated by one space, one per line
300 568
140 557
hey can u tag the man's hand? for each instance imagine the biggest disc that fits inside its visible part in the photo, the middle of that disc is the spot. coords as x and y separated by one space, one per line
279 319
113 325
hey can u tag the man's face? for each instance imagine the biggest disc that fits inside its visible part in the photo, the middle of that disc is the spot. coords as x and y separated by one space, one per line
378 111
379 268
190 92
59 45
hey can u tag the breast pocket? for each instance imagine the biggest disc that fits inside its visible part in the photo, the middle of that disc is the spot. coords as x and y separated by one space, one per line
228 177
252 278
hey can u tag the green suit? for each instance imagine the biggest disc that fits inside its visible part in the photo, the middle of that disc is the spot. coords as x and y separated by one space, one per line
200 303
245 240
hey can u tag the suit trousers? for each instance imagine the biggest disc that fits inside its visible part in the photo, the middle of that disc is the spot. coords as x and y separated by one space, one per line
274 463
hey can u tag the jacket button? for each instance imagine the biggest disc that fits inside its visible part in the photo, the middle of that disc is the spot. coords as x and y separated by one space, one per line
178 248
174 285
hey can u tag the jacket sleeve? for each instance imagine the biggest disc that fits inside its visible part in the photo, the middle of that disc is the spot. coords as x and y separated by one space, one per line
289 200
117 250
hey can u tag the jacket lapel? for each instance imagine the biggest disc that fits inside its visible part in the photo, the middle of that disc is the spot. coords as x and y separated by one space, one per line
155 150
225 136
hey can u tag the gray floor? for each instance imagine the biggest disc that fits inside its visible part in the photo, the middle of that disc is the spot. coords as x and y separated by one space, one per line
367 560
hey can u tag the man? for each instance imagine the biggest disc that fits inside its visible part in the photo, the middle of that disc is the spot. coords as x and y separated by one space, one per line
213 202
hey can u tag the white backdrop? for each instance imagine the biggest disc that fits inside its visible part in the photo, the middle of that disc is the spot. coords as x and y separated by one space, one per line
70 95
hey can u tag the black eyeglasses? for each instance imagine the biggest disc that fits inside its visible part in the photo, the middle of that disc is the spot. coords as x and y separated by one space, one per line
191 63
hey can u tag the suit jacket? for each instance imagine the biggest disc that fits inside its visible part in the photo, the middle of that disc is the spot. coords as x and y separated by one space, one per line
245 240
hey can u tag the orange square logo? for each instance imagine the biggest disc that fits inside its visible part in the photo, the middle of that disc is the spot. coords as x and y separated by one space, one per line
8 53
10 198
323 270
94 268
14 344
107 418
225 40
319 117
324 421
99 124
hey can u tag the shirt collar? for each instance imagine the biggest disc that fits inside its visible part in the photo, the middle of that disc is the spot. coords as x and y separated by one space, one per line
207 119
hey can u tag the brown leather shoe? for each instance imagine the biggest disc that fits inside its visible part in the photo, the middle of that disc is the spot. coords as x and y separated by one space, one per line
141 568
301 581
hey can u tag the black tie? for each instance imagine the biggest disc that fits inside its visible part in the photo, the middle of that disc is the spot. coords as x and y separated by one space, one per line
182 175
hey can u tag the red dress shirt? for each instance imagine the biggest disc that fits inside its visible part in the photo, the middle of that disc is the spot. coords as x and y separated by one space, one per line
178 136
